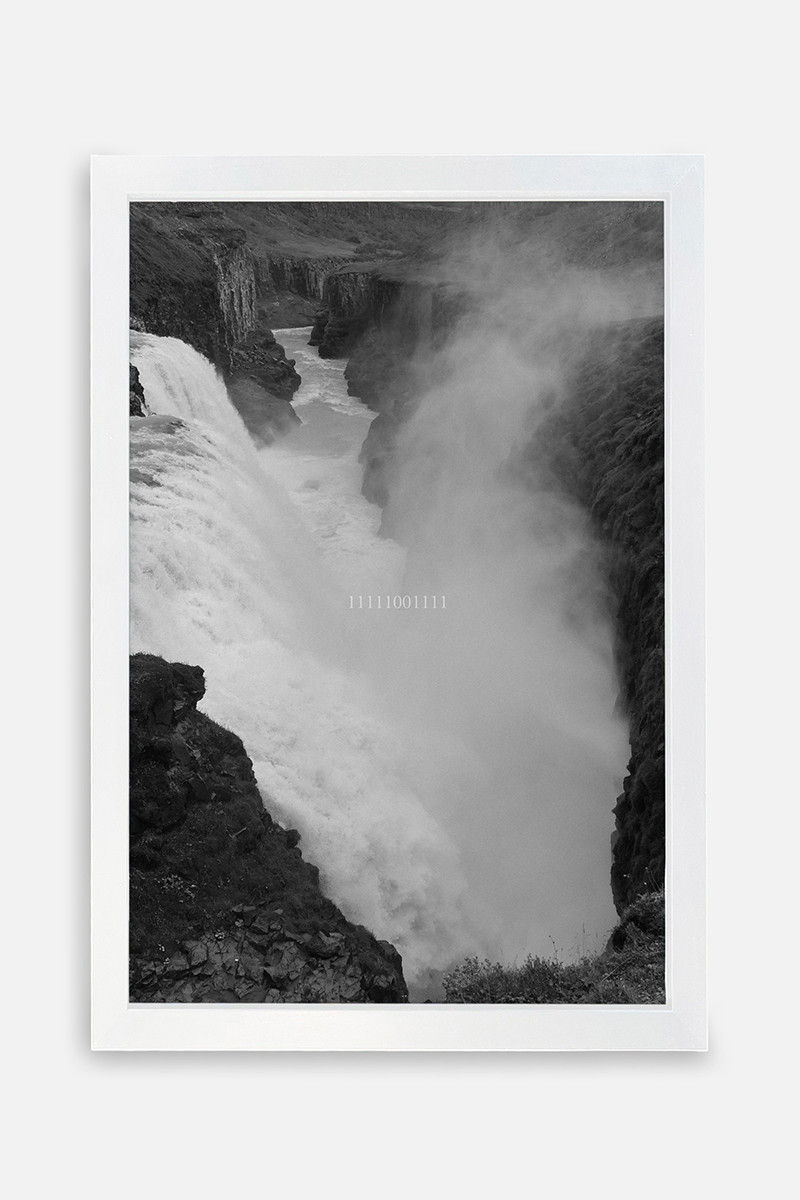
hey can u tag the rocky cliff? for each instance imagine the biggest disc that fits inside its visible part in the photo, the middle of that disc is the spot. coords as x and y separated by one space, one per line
606 444
433 267
291 287
222 277
393 363
222 905
353 298
194 278
137 397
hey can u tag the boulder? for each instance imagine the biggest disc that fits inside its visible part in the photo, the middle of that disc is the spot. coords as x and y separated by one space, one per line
223 907
137 397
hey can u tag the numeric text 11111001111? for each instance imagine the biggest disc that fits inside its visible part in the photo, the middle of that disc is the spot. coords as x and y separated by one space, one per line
420 603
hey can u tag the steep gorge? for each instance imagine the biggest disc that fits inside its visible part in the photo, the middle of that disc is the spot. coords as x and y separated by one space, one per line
392 315
604 444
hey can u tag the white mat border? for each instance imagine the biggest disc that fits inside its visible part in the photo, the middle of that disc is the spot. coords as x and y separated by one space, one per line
681 1024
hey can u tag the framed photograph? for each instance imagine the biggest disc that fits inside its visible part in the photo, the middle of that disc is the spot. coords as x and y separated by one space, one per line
398 594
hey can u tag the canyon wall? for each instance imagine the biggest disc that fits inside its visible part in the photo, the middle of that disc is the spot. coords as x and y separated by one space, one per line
606 445
352 299
223 907
393 362
196 280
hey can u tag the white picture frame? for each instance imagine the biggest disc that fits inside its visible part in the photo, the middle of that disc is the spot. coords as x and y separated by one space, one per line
681 1024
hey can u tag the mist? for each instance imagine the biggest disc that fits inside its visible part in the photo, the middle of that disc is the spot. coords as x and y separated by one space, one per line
518 671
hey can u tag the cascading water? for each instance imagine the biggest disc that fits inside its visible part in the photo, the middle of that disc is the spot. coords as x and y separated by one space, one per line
227 574
451 772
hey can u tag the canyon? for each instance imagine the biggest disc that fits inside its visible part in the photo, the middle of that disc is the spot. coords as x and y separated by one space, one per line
399 293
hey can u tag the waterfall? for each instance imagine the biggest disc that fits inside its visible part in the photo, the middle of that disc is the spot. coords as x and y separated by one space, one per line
226 574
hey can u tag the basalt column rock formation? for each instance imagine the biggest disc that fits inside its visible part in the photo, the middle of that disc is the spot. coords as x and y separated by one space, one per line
222 905
353 298
222 276
194 278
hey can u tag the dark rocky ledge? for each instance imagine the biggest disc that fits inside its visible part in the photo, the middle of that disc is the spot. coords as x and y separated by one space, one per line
138 402
223 906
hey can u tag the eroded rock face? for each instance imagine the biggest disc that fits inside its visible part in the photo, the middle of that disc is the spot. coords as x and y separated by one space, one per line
187 284
264 962
259 357
260 383
291 287
607 446
318 327
198 282
393 365
353 300
266 417
223 906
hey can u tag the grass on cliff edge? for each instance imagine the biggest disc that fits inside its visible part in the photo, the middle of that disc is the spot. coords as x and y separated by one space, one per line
629 971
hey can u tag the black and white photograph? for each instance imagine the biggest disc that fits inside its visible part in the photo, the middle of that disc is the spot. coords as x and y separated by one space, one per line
397 602
399 690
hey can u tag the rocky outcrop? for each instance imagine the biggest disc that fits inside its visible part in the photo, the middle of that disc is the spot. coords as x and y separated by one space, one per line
290 288
196 280
381 317
350 298
354 299
393 364
258 357
236 290
223 906
260 384
301 276
606 444
138 402
318 327
190 284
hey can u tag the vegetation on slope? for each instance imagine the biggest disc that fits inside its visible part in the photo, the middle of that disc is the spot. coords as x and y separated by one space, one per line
630 970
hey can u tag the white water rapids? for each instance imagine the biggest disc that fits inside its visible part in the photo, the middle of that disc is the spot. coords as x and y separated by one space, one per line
412 754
